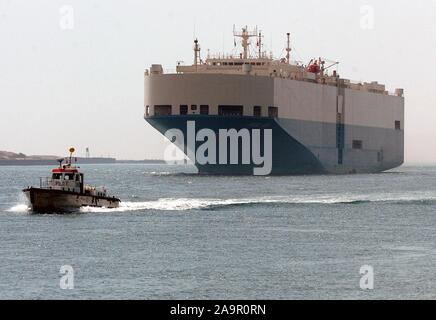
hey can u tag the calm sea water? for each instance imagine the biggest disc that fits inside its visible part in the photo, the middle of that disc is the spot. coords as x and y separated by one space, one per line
180 236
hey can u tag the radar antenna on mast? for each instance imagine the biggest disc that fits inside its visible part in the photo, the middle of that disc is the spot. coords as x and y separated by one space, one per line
288 49
197 59
245 35
71 150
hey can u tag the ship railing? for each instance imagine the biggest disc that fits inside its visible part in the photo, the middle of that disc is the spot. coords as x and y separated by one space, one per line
218 56
367 87
170 71
47 183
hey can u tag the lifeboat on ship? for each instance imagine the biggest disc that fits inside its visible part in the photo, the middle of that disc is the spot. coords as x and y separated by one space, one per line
314 68
65 191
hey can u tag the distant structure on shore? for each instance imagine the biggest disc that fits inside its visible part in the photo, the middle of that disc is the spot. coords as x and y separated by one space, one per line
20 159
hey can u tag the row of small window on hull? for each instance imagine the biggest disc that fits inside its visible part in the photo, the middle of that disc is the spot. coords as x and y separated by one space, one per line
204 108
223 110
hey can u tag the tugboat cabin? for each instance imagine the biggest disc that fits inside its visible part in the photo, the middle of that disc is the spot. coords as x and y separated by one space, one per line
66 178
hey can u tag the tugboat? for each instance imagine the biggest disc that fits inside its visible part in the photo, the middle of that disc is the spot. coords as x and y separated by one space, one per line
65 191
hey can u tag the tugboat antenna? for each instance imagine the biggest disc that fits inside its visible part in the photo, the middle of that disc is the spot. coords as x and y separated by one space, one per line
71 153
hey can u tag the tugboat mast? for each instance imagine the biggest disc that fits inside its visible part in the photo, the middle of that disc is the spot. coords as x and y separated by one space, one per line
71 154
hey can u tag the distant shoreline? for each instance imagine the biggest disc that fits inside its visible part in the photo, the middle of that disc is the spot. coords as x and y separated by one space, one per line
47 162
149 161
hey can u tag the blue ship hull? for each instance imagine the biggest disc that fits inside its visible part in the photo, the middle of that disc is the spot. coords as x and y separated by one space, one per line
289 157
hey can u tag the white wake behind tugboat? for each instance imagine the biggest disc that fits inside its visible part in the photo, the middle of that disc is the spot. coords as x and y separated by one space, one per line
65 191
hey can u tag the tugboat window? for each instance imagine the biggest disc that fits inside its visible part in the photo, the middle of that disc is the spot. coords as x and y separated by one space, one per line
257 111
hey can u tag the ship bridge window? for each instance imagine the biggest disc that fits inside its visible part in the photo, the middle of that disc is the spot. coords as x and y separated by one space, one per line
273 112
183 109
257 111
162 110
69 176
357 144
204 109
230 111
56 176
193 107
397 125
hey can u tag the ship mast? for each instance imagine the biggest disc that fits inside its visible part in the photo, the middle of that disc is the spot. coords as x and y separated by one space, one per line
196 52
259 44
245 35
288 49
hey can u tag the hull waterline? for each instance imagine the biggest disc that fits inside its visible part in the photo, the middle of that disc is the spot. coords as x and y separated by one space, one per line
59 201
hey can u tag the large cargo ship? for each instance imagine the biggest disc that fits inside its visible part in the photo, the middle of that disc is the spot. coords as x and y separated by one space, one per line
319 122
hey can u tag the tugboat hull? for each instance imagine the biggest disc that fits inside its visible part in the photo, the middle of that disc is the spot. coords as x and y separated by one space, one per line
60 201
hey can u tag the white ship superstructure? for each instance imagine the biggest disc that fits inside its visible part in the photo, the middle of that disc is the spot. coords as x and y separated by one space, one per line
321 123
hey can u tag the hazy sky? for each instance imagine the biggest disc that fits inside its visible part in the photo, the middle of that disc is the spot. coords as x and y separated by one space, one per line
82 84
